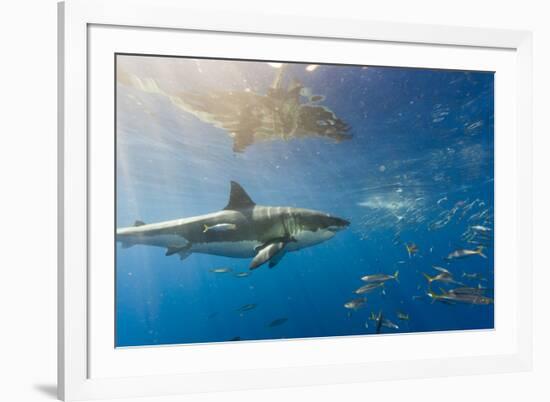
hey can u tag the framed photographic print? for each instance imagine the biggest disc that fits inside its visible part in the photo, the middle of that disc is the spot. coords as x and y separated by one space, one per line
240 201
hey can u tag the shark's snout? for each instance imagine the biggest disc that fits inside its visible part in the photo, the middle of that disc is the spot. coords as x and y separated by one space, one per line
335 224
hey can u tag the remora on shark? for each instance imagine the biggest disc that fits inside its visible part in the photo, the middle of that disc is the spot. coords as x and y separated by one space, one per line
263 232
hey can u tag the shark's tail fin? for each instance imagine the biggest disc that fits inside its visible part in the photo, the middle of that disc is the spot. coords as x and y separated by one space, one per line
479 251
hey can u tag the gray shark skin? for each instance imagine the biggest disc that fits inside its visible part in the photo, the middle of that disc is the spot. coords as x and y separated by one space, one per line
263 232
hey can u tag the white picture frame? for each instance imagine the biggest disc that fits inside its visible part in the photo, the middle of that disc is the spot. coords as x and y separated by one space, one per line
88 370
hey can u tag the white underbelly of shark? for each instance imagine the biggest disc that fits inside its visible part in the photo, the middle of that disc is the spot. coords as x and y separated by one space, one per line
306 238
234 249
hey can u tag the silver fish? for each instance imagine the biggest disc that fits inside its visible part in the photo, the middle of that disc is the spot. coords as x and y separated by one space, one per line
355 303
475 275
451 297
444 276
388 324
380 277
369 287
247 307
277 322
402 316
222 270
461 253
479 291
220 227
480 228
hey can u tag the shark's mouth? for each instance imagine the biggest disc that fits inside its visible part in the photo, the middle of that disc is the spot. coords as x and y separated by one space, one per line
338 224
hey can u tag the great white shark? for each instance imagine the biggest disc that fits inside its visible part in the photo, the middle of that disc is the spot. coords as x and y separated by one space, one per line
241 230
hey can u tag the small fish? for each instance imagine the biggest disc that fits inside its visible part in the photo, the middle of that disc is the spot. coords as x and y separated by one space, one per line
468 291
381 322
247 307
474 217
436 278
473 299
444 276
277 322
242 274
411 249
440 223
222 270
235 339
441 269
475 276
380 277
369 287
451 297
441 200
388 324
220 227
480 228
355 303
461 253
402 316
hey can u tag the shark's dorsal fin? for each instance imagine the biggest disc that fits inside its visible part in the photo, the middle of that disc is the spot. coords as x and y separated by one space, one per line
238 199
139 223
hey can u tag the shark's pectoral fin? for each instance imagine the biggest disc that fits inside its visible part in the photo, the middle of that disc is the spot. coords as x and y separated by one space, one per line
276 258
272 251
284 240
171 250
184 254
267 253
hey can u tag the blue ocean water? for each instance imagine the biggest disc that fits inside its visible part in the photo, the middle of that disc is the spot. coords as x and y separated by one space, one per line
418 169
